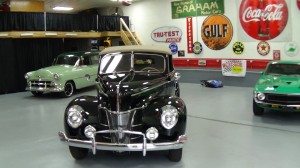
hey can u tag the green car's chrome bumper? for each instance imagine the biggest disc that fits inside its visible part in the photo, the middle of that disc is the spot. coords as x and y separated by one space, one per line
277 106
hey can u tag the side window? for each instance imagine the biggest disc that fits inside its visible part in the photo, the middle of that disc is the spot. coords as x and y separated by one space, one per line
85 61
94 59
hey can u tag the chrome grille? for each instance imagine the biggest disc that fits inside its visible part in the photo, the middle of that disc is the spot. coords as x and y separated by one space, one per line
44 84
283 99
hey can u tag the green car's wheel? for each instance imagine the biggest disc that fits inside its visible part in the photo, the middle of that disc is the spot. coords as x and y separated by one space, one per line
69 89
175 155
257 110
78 153
37 93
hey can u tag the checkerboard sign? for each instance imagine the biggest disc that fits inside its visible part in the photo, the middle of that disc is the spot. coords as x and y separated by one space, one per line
235 68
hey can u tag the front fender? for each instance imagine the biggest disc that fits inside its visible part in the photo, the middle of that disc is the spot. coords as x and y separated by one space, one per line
152 115
90 115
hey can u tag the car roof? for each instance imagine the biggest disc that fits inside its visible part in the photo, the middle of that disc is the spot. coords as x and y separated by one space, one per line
285 62
80 53
137 48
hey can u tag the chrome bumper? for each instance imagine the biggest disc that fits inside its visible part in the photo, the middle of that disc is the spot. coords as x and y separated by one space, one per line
144 147
42 89
295 107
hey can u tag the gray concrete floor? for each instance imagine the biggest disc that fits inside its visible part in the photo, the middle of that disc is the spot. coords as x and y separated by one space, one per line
222 132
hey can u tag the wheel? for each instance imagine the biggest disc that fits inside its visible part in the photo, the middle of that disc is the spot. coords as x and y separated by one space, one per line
175 155
69 89
258 111
150 69
78 153
37 93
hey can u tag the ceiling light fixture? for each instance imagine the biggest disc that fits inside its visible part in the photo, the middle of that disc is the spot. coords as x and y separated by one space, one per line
60 8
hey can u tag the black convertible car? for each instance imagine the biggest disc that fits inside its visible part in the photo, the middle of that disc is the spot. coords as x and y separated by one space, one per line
137 107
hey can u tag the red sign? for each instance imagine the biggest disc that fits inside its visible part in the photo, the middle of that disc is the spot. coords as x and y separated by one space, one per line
263 19
189 32
298 4
276 54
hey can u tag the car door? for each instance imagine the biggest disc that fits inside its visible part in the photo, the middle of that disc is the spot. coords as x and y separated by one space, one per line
89 69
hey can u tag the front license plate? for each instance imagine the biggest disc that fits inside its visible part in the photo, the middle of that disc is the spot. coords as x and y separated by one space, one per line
275 106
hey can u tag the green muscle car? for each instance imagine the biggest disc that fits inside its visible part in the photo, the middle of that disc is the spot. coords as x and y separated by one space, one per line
278 88
70 71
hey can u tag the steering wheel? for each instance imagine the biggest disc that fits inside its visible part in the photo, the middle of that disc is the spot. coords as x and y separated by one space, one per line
150 69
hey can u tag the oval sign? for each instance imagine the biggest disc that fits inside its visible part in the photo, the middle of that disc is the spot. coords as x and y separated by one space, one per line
197 47
167 34
173 47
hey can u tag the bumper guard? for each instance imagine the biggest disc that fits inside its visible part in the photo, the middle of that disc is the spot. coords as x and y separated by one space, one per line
144 147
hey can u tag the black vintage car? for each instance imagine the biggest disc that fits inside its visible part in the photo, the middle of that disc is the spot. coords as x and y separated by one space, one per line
137 107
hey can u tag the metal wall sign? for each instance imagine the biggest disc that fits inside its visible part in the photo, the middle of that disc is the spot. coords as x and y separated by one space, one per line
197 47
263 48
235 68
173 47
167 34
263 19
189 32
238 48
291 49
190 8
217 32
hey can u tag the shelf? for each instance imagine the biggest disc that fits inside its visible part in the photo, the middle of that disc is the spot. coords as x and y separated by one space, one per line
58 34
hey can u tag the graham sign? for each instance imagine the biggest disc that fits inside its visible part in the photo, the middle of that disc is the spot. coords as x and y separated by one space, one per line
166 34
190 8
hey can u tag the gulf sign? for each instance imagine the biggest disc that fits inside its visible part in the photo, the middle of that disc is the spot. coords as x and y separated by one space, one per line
217 32
167 34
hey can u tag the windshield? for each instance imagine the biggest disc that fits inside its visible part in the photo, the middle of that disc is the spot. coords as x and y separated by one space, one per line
141 62
283 69
66 60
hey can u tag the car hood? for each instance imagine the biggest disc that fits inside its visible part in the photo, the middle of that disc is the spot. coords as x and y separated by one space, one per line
133 89
49 71
278 84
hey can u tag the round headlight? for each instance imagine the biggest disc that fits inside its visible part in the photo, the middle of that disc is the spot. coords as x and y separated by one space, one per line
74 116
56 76
152 133
89 131
261 96
26 76
169 116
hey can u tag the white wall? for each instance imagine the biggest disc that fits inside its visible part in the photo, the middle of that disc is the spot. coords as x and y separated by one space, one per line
148 15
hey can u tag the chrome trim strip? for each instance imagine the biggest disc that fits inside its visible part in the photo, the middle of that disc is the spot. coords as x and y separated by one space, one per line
144 147
122 112
281 105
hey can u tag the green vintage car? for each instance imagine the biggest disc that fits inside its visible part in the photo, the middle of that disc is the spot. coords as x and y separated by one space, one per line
70 71
278 88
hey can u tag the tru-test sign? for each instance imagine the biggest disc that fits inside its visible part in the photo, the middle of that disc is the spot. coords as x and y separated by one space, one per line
190 8
167 34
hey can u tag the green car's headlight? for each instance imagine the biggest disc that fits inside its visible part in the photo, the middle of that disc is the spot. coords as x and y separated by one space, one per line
74 117
169 116
260 96
26 76
56 76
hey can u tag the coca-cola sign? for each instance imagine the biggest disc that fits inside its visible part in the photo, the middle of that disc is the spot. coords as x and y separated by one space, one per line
263 19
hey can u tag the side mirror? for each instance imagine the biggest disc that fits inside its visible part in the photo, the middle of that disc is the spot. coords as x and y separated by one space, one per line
177 75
